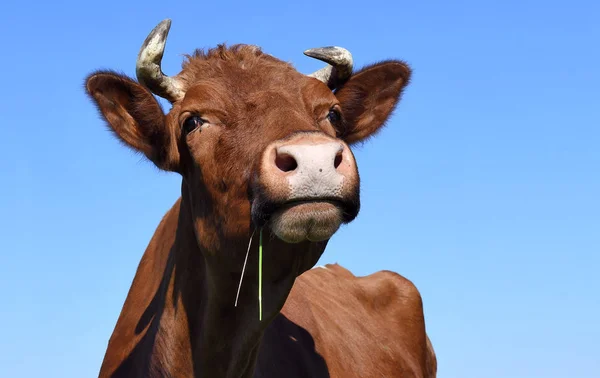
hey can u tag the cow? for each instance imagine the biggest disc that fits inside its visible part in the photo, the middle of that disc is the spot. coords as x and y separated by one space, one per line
266 166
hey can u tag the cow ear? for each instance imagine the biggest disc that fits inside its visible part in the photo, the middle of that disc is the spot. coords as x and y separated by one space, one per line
134 115
369 97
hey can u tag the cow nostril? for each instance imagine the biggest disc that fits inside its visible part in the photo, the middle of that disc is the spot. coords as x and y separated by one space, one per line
285 162
338 160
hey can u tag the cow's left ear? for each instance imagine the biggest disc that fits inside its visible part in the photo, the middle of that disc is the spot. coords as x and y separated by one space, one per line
369 97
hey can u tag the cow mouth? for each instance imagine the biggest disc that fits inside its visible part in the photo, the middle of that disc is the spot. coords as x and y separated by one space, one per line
304 219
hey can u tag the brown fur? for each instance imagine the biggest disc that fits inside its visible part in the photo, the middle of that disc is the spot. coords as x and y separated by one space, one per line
178 319
326 313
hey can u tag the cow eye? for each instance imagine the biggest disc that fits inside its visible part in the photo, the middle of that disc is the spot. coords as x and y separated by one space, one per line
191 123
334 116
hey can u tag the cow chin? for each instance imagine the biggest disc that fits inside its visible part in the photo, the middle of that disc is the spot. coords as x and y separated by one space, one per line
313 221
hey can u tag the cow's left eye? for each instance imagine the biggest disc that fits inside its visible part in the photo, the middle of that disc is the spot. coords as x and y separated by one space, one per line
334 116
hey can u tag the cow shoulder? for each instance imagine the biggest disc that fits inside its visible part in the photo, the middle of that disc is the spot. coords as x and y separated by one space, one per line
390 289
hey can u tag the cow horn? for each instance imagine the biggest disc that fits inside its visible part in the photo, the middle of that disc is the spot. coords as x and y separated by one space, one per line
339 64
148 69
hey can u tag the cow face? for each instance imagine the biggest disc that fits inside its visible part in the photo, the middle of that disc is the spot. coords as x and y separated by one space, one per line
255 141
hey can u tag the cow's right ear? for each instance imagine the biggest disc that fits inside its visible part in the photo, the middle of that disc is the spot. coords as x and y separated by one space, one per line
134 115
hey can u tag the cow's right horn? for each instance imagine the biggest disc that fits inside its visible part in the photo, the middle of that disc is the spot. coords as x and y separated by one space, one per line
148 69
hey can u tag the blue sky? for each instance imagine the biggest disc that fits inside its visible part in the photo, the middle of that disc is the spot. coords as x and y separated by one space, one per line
483 189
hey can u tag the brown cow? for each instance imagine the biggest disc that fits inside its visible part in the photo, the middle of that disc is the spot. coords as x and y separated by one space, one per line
259 146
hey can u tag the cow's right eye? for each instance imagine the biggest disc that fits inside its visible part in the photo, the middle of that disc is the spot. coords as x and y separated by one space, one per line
191 123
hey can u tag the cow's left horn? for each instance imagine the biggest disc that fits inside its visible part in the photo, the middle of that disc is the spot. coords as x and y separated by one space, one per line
339 64
148 69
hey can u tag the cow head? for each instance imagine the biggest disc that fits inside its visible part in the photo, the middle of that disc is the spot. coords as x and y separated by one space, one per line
257 143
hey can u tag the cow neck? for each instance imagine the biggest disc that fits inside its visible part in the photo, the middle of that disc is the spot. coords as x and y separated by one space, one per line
225 339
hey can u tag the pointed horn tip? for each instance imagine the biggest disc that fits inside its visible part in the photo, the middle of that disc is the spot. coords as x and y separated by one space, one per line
331 54
320 50
166 23
162 29
154 44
